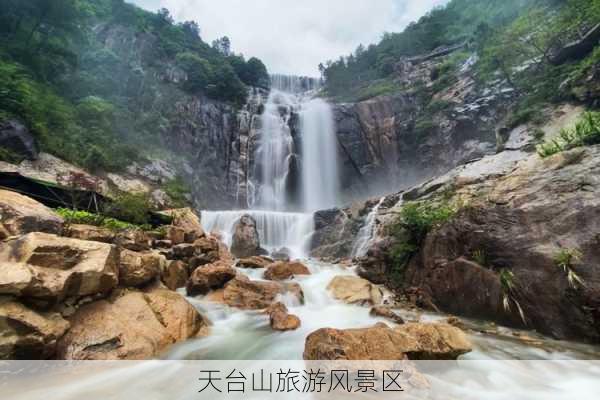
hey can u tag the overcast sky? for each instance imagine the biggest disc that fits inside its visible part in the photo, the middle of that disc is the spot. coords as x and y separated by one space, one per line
294 36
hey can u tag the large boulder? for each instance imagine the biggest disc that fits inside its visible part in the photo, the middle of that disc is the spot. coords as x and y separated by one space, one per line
175 275
15 137
21 214
15 278
255 262
187 220
137 269
132 326
414 340
280 319
243 293
90 232
354 290
283 270
62 267
210 277
245 241
28 334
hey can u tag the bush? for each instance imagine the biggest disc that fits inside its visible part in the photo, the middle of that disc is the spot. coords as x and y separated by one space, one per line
178 191
87 218
130 207
585 133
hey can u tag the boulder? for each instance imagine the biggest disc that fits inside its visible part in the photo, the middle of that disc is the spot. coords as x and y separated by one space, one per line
134 240
131 326
175 275
14 278
137 269
280 319
413 340
63 267
210 277
255 262
20 215
243 293
282 270
245 242
175 234
386 312
28 334
186 219
15 137
282 254
351 290
91 233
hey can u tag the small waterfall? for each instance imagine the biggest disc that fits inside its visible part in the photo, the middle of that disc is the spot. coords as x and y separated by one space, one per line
320 178
367 232
294 84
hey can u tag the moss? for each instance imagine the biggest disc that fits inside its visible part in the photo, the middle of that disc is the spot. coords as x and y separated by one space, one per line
178 191
132 207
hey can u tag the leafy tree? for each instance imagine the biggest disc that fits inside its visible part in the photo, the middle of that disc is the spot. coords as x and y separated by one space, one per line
222 45
199 71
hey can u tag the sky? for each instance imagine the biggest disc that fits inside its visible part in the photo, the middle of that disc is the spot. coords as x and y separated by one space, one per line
294 36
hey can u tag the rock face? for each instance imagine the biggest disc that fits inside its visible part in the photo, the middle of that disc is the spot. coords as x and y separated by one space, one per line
351 289
21 214
28 334
335 233
175 275
282 270
243 293
137 269
17 138
415 341
61 267
245 242
132 326
210 277
91 233
281 320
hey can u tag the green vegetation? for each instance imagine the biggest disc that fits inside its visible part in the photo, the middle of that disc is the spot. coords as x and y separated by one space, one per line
415 221
134 208
566 259
480 257
87 218
178 191
509 290
585 133
92 100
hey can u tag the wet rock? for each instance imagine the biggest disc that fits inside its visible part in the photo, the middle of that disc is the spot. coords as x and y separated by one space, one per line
137 269
243 293
280 319
131 326
282 270
210 277
28 334
374 267
91 233
63 267
351 290
245 242
282 254
413 340
256 262
21 214
15 137
175 275
386 312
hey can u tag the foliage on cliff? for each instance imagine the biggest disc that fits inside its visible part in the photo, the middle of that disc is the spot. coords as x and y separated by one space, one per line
98 80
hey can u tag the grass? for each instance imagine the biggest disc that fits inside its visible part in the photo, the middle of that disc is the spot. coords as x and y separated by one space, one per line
377 88
178 191
508 287
480 257
586 132
88 218
566 259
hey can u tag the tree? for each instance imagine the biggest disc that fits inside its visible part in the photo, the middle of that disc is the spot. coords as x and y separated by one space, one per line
257 73
222 45
198 70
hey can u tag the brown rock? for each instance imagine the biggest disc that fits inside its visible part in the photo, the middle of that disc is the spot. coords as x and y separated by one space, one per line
134 240
20 215
27 334
132 326
245 242
175 275
14 278
210 277
175 234
90 232
63 267
255 295
186 219
413 340
283 270
386 312
137 269
351 289
255 262
280 319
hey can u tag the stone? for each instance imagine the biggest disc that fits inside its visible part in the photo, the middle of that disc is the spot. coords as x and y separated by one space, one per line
416 341
280 319
90 232
243 293
386 312
137 269
186 219
282 270
175 234
20 215
351 290
28 334
134 240
14 278
255 262
245 241
63 267
282 254
15 137
132 325
175 275
210 277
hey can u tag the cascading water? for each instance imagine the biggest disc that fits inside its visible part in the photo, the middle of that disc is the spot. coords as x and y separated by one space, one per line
366 233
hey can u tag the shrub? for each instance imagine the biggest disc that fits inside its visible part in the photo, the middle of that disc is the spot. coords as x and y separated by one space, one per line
566 259
87 218
131 207
178 191
586 132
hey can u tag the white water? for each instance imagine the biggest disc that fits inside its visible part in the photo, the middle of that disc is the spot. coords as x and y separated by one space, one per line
367 232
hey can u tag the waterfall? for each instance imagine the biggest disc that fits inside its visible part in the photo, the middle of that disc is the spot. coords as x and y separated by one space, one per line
367 232
320 176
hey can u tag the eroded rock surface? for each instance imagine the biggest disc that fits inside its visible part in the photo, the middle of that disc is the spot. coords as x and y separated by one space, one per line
245 242
351 290
20 215
283 270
